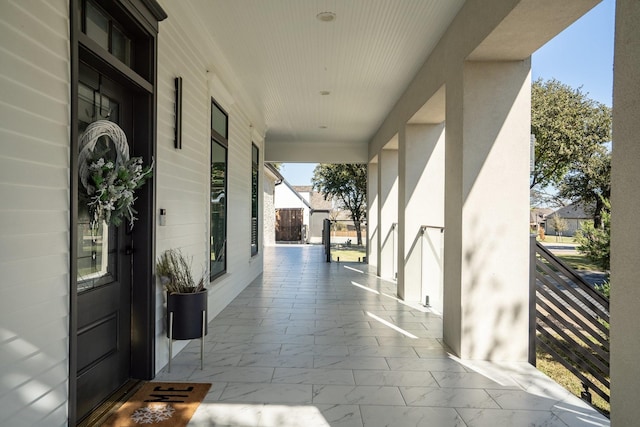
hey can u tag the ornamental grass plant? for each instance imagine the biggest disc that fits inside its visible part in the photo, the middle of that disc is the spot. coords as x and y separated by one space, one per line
175 273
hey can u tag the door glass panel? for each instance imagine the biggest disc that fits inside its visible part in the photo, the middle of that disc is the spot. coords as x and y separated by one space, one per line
97 253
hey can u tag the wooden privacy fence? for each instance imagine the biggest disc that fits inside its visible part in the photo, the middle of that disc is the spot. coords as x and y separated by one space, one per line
571 321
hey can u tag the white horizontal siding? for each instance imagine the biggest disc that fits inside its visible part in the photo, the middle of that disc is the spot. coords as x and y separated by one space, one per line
183 176
34 212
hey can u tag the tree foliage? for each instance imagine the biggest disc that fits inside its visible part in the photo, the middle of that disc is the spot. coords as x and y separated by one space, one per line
595 242
558 223
348 184
569 128
590 182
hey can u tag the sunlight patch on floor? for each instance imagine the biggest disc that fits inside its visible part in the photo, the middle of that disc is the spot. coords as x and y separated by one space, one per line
246 414
392 326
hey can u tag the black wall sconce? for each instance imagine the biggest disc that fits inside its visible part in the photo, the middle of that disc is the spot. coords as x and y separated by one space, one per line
178 116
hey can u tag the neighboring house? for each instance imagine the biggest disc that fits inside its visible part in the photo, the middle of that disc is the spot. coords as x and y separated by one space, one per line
272 178
292 213
537 218
575 214
300 212
321 209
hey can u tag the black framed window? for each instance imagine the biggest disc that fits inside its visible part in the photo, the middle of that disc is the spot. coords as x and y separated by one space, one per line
218 225
255 161
100 27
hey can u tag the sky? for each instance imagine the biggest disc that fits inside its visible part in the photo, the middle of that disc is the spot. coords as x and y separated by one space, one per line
581 57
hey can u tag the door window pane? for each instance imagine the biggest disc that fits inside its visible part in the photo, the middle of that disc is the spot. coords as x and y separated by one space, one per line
97 253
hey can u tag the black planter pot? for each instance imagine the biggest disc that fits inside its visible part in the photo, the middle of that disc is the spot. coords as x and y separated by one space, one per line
187 316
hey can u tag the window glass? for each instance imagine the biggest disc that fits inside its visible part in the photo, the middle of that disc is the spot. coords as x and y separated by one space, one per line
218 209
254 198
97 25
218 120
120 45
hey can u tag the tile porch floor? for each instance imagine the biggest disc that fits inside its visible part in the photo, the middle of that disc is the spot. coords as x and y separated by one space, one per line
316 344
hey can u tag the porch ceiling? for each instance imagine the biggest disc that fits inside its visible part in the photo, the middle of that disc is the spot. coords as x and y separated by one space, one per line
283 57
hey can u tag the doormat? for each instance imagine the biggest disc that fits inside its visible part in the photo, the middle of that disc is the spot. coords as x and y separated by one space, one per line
160 405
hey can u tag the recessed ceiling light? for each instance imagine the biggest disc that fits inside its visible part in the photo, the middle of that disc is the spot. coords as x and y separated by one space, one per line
323 126
326 16
325 92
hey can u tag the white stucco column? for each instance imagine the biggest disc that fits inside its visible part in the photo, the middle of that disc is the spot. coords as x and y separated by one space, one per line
420 202
486 273
625 205
372 214
387 213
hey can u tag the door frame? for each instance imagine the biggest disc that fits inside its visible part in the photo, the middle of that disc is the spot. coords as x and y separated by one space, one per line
145 14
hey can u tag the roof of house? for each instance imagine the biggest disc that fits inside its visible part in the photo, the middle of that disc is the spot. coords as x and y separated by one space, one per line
297 193
303 188
536 215
269 168
576 210
316 199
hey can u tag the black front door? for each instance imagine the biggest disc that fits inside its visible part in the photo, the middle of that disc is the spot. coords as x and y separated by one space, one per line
104 262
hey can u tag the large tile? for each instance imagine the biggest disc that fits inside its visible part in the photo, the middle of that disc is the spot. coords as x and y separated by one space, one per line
468 380
518 399
290 394
313 376
314 350
386 351
283 339
395 416
447 397
248 348
233 374
350 362
226 414
420 364
345 340
288 416
501 417
579 416
394 378
276 361
341 415
361 395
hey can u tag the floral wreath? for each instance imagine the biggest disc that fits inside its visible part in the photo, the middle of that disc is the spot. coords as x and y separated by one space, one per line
110 185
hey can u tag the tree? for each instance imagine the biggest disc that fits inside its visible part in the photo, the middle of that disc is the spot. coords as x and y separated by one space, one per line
348 184
590 182
568 126
595 242
559 224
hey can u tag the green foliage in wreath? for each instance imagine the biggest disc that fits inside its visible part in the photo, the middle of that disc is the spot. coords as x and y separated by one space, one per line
111 189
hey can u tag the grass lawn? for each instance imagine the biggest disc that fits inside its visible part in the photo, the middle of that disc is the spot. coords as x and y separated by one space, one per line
557 239
348 253
546 364
578 262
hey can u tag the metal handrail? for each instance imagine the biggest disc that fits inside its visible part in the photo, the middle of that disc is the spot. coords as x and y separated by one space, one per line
423 228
